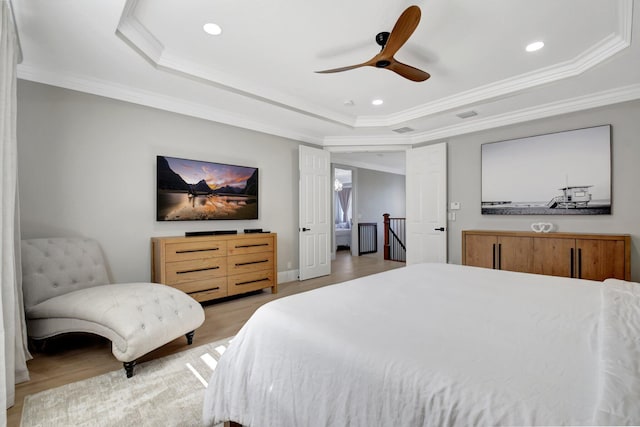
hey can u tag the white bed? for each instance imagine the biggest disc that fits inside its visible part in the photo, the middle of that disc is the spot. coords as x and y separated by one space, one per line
434 345
343 234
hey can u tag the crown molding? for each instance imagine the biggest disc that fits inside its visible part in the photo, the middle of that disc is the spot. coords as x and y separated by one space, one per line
596 54
136 35
331 143
155 100
581 103
156 54
605 49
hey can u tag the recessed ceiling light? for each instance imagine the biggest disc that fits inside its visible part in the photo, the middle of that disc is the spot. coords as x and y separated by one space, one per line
377 102
213 29
532 47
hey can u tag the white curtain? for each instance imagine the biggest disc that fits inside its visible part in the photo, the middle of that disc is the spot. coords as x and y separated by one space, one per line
344 196
13 340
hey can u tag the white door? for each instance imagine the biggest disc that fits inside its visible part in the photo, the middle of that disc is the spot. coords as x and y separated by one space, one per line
315 220
426 188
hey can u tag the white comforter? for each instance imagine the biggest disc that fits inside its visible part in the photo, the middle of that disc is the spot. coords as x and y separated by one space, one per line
437 344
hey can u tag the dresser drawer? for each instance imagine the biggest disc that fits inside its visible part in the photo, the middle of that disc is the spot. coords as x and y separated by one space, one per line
250 262
195 249
211 293
188 271
247 282
209 267
211 286
250 246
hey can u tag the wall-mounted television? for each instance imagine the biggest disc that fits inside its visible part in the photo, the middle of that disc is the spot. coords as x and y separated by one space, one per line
554 174
189 190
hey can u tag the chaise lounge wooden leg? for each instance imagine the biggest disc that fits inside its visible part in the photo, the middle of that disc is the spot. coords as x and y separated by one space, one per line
189 336
37 345
128 367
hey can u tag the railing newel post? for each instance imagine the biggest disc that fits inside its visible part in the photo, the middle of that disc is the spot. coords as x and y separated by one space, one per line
386 236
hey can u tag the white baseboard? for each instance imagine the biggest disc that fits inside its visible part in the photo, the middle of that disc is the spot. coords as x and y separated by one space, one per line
288 276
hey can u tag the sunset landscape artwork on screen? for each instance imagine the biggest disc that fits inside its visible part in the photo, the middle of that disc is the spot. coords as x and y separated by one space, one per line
190 190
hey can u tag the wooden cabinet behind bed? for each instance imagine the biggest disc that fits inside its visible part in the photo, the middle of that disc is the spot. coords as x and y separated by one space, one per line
585 256
210 267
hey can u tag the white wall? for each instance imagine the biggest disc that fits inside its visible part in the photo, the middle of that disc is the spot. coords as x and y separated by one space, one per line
87 168
464 179
379 193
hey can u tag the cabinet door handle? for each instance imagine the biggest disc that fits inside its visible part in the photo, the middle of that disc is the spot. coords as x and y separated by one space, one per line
494 256
579 263
571 274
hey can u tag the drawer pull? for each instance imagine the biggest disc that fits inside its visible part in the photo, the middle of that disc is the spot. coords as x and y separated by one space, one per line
266 279
217 288
198 269
251 246
188 251
239 264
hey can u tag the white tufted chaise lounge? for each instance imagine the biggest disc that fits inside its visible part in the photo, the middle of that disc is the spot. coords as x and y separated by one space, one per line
66 289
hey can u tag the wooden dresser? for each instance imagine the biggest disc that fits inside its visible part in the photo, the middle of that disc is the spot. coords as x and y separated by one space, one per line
210 267
580 255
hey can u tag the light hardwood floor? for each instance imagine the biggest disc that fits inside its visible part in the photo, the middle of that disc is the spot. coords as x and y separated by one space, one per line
76 357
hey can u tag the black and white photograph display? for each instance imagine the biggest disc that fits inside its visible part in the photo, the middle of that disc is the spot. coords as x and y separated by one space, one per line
564 173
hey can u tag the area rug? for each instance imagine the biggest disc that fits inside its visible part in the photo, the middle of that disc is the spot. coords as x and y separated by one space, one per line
164 392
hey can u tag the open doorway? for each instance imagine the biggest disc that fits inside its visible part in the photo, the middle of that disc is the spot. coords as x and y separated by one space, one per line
343 197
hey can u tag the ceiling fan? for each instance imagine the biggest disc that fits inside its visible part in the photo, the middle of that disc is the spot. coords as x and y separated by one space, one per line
390 43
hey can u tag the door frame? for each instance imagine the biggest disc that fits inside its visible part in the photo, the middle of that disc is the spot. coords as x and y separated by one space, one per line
354 218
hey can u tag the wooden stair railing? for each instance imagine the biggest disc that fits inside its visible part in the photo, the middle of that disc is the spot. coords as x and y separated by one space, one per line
394 238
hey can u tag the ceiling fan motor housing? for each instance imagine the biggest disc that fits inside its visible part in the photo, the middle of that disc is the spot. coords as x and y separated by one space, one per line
381 38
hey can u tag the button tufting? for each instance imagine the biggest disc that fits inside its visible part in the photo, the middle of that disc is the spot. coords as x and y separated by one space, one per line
142 326
55 285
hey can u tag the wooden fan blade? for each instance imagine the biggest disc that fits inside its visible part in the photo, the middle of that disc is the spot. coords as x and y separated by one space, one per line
350 67
405 26
408 72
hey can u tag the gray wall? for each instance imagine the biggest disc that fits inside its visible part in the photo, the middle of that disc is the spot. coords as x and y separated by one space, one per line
379 193
464 179
87 168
